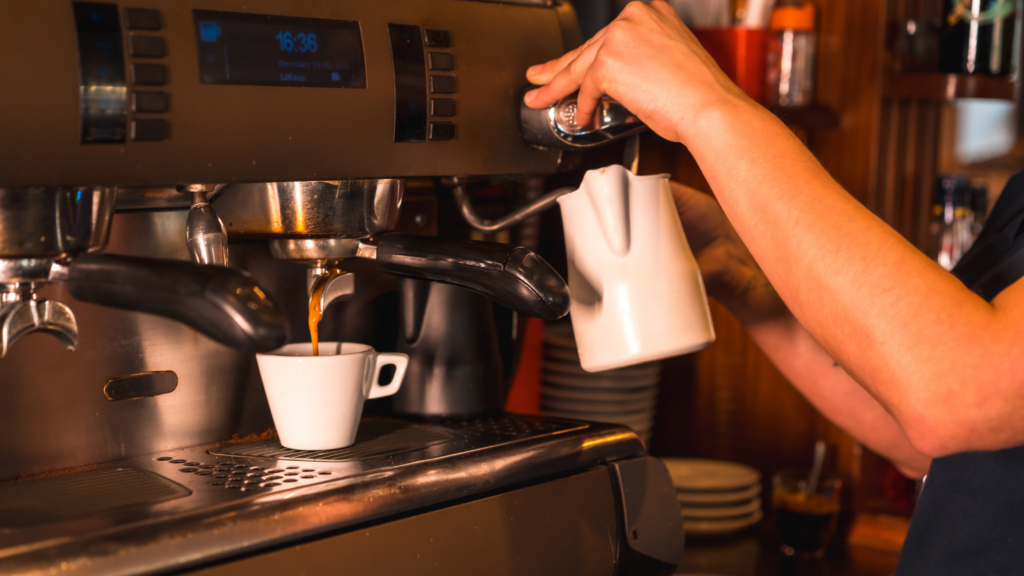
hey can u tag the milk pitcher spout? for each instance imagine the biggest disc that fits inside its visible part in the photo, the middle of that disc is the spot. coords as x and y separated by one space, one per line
637 293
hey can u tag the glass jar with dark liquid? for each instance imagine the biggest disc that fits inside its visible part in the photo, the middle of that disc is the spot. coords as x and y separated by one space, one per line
806 516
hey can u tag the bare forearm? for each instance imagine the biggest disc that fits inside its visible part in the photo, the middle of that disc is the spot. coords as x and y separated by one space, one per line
833 393
856 285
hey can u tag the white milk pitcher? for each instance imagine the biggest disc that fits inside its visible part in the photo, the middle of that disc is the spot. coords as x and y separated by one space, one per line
637 294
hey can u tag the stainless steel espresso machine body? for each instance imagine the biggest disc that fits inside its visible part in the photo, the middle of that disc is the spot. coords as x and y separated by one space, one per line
203 163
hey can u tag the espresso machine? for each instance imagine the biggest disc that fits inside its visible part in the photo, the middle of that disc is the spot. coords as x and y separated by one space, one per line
174 178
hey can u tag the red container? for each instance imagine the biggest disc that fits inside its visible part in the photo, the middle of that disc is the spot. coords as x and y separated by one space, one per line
741 53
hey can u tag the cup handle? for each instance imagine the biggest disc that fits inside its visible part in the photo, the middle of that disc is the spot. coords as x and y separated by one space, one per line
401 362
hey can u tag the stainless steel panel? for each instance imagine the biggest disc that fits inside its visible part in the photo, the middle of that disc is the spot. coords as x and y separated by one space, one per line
214 523
54 414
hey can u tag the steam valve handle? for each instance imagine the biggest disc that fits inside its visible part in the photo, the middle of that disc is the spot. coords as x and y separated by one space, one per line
510 275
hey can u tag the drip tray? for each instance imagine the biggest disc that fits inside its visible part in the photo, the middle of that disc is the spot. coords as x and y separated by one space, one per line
384 437
81 494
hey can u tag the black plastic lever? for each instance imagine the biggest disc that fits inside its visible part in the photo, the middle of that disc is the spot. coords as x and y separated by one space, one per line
510 275
223 303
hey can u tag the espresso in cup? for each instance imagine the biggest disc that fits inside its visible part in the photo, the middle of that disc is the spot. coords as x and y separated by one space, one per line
316 401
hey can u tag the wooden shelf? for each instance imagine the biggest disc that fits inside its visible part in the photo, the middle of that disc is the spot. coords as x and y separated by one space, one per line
814 117
924 86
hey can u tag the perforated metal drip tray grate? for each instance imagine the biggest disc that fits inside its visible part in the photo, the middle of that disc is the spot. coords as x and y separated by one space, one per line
81 494
375 438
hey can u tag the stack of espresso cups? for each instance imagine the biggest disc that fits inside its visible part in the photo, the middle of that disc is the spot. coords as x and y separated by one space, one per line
625 396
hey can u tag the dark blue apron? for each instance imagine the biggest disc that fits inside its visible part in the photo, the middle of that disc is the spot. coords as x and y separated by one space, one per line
970 518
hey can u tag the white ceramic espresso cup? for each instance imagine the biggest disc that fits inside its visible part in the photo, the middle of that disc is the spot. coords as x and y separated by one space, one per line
637 293
316 401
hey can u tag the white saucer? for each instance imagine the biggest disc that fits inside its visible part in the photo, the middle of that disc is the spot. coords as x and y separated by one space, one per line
688 498
721 512
710 475
716 527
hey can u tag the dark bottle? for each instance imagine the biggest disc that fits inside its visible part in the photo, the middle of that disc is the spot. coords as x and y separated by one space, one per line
977 37
977 208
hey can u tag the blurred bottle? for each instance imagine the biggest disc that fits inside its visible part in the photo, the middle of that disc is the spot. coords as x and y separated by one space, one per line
978 36
951 227
791 54
977 207
916 45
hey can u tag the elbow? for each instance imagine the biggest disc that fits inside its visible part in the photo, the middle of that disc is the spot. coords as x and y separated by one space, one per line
936 433
930 438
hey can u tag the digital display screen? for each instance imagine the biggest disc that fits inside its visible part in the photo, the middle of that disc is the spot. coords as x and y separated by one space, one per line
261 50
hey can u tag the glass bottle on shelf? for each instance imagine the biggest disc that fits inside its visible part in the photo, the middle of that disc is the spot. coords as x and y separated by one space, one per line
791 51
950 225
977 208
977 36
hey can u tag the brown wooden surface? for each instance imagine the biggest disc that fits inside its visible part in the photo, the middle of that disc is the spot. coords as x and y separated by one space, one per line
936 86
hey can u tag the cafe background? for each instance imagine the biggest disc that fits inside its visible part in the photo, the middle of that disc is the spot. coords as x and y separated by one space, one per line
888 124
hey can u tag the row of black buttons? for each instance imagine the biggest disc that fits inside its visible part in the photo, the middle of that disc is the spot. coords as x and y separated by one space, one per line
441 84
147 74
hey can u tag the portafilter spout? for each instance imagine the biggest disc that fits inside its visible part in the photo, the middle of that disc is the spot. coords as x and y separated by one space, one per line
40 230
22 312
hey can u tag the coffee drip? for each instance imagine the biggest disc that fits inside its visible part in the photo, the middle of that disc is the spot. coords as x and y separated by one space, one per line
316 303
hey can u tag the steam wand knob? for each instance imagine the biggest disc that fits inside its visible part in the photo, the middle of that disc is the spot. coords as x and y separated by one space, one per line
204 231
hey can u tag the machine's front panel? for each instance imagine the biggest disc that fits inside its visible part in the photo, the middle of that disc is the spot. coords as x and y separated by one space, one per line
155 93
177 509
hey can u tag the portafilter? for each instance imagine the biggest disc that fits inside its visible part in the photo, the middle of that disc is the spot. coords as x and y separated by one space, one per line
53 234
322 221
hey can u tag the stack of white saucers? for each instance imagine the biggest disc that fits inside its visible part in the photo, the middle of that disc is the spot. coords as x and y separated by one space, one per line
625 396
715 497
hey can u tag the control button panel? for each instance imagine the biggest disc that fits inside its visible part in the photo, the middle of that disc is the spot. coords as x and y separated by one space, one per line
146 104
439 60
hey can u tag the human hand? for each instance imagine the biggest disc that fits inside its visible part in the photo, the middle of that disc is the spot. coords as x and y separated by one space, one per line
651 63
731 275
